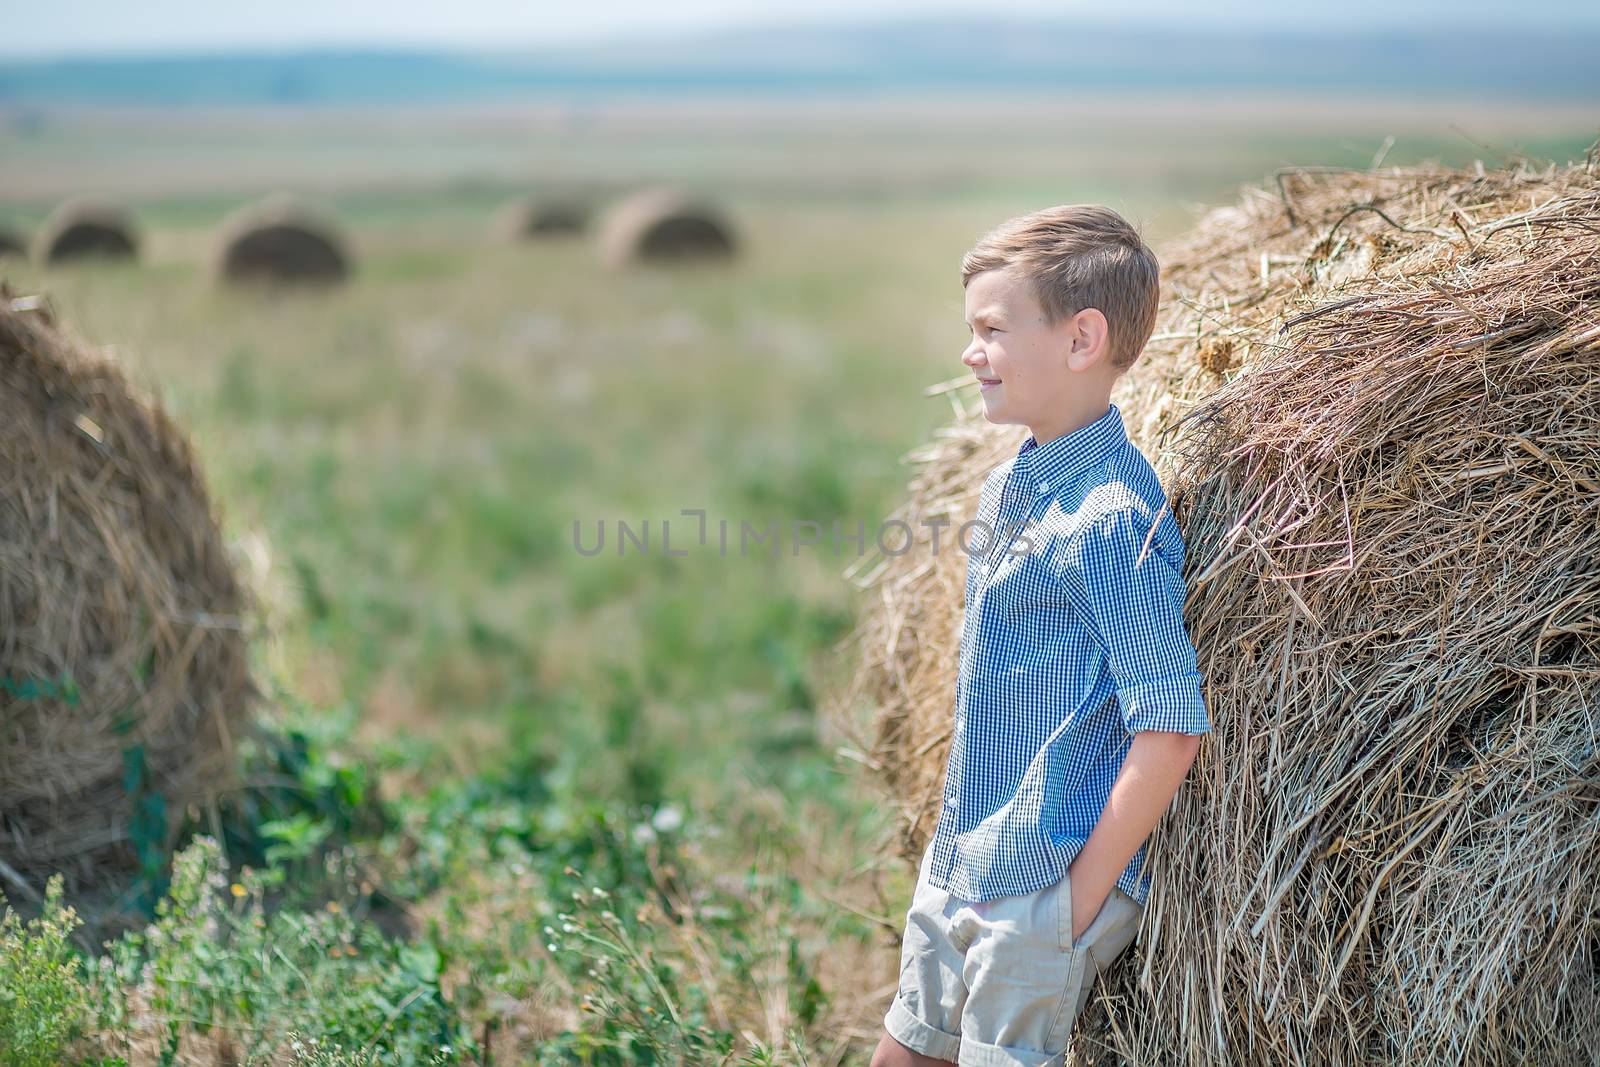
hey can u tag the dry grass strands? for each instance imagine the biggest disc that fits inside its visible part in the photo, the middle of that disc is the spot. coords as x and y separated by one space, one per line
278 242
121 632
1374 398
664 226
537 217
86 229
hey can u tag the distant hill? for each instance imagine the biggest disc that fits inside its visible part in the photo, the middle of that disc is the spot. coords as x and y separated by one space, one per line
954 55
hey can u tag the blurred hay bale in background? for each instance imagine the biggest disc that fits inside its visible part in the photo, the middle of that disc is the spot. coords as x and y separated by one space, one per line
122 650
1374 399
664 226
278 241
86 228
538 217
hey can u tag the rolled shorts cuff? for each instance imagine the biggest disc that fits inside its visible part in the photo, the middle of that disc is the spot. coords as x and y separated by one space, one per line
977 1054
917 1035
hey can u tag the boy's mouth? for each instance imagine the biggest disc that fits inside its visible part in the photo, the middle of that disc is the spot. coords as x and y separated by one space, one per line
987 383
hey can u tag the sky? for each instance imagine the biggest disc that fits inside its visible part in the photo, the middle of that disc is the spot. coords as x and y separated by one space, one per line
66 28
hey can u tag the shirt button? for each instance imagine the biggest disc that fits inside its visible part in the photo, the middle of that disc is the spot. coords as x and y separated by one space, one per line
1044 487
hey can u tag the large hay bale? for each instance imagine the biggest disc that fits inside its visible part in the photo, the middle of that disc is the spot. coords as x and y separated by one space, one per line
536 218
86 228
665 226
278 241
122 652
1374 400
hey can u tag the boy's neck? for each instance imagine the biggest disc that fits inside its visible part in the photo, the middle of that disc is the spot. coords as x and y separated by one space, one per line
1076 418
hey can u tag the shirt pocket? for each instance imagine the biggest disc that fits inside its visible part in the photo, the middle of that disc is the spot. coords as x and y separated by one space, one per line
1039 635
1031 602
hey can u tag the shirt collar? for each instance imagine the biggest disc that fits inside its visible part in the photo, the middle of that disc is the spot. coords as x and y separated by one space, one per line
1052 465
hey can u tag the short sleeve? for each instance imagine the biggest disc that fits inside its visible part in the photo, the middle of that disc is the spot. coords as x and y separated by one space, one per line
1134 608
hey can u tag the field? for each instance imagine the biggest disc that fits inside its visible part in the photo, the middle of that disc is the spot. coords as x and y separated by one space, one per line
490 720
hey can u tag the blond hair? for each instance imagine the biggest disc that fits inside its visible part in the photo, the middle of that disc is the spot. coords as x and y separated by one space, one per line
1079 256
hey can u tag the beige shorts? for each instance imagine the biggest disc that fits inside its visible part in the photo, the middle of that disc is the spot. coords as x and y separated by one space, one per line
1000 982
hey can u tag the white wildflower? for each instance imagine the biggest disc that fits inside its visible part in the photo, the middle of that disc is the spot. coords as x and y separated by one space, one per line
668 818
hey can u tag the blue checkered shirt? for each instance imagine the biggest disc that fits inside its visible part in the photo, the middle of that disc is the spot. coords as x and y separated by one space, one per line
1070 643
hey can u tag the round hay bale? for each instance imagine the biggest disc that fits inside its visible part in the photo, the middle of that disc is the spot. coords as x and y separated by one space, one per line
278 241
122 649
12 245
84 229
537 218
665 226
1374 400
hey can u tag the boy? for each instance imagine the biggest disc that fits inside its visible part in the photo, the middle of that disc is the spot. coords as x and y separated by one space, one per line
1078 705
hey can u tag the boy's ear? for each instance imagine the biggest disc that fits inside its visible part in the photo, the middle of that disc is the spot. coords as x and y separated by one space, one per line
1087 338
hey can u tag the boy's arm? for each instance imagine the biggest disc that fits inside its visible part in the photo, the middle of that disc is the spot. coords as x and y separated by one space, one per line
1133 596
1154 768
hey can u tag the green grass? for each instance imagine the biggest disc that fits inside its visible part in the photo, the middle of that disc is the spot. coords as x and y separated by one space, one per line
414 451
417 447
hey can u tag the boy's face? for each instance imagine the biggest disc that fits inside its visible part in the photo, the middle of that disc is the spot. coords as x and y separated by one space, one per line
1030 371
